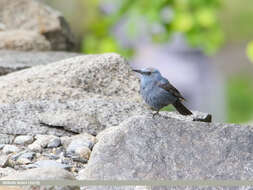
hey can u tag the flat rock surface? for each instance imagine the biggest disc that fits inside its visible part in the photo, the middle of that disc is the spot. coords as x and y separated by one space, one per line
79 77
57 118
146 148
11 61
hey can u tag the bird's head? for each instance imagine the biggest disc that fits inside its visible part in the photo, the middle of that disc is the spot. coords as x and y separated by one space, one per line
148 72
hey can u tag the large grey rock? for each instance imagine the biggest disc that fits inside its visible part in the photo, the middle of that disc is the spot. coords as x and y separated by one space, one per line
22 119
11 61
161 148
66 118
79 77
23 40
39 18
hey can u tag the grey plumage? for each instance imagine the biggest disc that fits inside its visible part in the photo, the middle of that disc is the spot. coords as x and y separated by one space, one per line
157 91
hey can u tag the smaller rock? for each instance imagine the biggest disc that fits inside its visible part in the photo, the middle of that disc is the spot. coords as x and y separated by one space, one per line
23 139
51 156
58 151
23 161
83 152
41 142
54 143
79 147
28 155
49 164
3 160
84 139
11 163
35 147
10 149
196 116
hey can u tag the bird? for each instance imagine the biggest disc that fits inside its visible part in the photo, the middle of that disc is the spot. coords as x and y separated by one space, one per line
158 92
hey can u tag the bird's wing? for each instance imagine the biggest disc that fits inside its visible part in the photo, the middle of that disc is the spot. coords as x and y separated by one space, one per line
170 88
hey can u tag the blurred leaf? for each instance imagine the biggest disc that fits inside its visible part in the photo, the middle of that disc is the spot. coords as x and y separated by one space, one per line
250 51
183 22
196 19
240 99
205 17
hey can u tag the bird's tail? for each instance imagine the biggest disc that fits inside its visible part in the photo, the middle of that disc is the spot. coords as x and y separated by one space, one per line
181 108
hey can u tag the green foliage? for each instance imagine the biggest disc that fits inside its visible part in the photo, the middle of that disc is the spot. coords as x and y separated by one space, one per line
240 99
250 51
196 19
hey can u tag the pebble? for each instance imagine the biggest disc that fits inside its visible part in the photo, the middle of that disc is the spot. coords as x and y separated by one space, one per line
10 149
23 139
43 140
84 139
35 146
49 164
78 143
54 143
83 152
28 155
23 161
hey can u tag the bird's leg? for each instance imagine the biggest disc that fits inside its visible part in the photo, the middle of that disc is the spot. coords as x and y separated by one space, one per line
156 113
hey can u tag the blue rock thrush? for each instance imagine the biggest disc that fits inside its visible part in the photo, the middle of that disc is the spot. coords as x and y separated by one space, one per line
157 91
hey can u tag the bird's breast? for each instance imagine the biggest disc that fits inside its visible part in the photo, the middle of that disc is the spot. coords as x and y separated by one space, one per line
156 97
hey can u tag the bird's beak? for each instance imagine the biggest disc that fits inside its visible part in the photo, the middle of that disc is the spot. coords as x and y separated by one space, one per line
137 71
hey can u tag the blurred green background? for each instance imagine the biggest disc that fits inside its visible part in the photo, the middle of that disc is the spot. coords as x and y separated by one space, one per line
221 28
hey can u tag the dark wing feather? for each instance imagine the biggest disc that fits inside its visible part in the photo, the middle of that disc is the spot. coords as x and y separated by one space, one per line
170 88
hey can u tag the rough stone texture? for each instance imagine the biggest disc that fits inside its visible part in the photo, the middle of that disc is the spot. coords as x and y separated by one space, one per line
23 41
53 143
41 142
69 117
49 164
162 148
10 149
39 18
23 139
11 61
22 119
52 173
91 115
41 174
5 138
79 77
